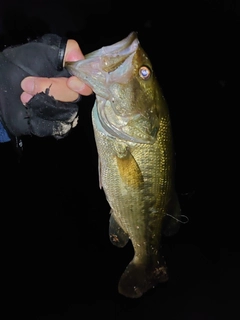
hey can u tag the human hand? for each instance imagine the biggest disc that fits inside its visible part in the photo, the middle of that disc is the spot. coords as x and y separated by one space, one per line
63 89
48 108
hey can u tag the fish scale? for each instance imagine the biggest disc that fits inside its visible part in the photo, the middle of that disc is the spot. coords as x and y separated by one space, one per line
133 137
142 211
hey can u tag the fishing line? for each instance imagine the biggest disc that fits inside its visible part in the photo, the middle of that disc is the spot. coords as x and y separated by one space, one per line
184 221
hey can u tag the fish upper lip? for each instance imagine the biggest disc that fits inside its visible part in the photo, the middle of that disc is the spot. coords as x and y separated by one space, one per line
122 47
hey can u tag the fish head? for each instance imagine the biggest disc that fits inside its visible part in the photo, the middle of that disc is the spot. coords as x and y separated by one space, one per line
128 96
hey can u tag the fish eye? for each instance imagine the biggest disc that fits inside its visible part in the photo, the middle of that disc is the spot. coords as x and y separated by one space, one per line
144 72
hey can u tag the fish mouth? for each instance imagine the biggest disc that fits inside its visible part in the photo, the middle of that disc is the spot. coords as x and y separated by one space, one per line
107 71
97 65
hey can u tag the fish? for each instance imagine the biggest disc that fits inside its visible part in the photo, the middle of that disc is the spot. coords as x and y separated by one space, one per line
136 158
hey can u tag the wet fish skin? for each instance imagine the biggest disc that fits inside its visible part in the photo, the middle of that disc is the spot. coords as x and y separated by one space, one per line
136 157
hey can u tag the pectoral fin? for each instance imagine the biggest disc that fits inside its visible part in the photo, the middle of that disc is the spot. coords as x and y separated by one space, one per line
117 235
128 168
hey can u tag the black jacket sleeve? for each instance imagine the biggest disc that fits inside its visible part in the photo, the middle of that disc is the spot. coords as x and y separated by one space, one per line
43 115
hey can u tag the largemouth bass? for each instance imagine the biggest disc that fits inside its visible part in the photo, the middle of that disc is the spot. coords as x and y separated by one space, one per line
136 156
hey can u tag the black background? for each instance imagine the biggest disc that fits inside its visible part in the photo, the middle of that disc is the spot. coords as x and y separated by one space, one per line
57 259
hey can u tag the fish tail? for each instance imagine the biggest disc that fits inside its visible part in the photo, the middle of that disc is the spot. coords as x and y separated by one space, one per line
140 276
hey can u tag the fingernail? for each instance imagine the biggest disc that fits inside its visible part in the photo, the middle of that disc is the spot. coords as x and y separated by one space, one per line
25 97
28 84
75 84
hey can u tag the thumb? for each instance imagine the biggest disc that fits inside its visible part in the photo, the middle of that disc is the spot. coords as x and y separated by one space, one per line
73 52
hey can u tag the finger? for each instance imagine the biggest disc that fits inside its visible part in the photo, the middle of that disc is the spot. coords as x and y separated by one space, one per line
73 52
57 88
25 97
78 86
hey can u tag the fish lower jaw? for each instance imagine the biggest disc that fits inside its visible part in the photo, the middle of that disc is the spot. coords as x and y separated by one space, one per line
138 278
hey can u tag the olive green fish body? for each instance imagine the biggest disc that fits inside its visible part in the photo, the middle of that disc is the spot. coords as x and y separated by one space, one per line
138 183
136 158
